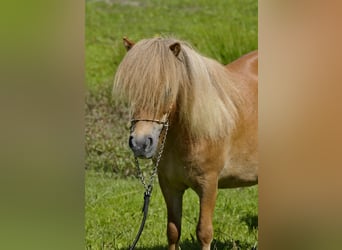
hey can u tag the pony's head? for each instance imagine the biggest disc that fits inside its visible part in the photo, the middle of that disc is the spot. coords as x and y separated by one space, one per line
165 79
151 91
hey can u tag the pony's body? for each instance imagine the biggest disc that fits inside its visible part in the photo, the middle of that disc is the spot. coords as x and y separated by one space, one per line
212 138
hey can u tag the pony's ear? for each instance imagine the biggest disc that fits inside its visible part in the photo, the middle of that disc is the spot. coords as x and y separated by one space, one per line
175 48
127 43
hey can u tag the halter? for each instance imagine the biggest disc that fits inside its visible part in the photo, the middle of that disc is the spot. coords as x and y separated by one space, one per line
149 187
165 123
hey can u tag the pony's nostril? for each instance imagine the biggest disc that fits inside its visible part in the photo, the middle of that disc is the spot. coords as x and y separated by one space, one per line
131 142
149 142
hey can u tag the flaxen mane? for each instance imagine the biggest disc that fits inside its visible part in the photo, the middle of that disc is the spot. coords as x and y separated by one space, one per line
152 78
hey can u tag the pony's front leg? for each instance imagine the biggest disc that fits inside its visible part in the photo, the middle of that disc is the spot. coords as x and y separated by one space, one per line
173 199
207 192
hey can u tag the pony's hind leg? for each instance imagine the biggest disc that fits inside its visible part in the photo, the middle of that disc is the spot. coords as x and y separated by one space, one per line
207 193
173 199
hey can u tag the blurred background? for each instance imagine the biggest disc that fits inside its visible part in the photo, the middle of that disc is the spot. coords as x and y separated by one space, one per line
57 63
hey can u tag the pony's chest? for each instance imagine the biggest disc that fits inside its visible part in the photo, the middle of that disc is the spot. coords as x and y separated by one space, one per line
173 167
189 165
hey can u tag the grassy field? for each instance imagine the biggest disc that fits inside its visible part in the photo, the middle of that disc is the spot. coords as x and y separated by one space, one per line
113 216
223 30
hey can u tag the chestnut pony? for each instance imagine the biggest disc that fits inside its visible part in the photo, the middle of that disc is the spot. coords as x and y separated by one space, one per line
212 114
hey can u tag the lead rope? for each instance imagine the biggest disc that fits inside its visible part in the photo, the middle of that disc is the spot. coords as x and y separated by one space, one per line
149 187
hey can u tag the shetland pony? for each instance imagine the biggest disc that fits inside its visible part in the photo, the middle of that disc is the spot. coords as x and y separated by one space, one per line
212 114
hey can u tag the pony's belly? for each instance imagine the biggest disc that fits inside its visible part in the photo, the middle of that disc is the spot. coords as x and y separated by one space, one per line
238 176
233 182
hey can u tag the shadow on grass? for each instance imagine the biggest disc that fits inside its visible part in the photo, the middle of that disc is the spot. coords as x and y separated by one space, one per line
251 221
188 245
193 245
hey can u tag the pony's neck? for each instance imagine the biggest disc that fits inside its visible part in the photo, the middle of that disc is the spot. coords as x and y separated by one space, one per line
209 101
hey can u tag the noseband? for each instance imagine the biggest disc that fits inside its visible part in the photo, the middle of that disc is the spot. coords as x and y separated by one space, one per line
148 187
164 123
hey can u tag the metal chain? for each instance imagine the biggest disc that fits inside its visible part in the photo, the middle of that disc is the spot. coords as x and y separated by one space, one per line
149 187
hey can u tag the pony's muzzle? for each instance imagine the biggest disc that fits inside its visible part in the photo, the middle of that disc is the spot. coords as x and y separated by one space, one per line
142 146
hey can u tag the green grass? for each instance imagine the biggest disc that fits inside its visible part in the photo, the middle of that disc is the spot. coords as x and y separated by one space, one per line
220 29
223 30
113 216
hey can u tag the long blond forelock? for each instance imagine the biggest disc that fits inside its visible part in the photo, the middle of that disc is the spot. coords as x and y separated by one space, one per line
152 78
148 77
